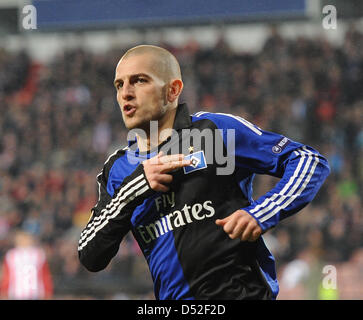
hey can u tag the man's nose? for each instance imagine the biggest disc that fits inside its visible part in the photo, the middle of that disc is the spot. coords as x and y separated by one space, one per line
127 92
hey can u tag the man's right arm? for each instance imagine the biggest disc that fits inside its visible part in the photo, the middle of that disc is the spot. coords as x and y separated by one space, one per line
111 219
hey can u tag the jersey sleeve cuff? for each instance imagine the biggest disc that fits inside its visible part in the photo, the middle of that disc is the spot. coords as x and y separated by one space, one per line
146 190
265 225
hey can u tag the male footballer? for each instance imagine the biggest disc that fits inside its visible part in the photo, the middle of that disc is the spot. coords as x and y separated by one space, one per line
192 213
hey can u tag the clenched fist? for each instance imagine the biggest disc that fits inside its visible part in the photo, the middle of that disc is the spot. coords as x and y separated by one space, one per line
242 225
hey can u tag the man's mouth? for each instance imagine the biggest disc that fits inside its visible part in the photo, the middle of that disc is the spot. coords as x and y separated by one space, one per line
129 109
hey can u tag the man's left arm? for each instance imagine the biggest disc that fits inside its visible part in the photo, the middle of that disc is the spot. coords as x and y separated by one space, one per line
304 172
301 168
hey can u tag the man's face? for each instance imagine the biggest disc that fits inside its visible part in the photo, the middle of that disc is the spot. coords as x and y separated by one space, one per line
141 92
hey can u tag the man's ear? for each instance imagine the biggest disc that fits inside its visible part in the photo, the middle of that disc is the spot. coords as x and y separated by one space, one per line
175 89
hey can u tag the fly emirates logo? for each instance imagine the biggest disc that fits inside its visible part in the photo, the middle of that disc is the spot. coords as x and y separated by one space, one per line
174 219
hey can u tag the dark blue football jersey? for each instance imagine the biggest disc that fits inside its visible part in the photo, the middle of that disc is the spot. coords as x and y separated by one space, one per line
188 255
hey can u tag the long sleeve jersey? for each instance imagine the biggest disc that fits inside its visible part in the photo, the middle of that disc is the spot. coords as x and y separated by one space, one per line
188 255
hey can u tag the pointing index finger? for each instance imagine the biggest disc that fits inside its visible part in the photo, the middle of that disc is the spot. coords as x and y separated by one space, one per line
172 165
160 158
171 158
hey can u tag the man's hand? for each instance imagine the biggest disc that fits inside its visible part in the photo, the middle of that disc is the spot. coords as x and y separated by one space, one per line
156 170
242 225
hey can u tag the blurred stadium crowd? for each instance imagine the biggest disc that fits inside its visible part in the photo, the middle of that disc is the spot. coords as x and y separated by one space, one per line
60 121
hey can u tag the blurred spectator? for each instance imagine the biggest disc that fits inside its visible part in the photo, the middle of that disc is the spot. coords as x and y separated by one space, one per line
25 271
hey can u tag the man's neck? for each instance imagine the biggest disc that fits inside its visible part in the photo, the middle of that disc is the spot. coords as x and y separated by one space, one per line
157 136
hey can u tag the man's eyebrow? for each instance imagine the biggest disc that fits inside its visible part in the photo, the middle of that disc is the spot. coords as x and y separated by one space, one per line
133 76
141 75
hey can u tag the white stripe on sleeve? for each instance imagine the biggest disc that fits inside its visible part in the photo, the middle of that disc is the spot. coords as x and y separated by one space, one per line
125 195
